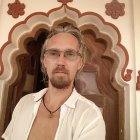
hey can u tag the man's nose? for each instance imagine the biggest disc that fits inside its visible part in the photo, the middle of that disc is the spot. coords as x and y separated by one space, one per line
61 59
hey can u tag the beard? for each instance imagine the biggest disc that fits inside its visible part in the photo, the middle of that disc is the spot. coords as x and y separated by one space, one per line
60 82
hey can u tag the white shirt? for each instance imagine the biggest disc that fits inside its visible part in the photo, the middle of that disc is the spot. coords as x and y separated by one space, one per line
80 119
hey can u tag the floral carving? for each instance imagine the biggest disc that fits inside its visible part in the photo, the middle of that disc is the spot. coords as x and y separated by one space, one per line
16 9
115 9
64 1
128 75
138 81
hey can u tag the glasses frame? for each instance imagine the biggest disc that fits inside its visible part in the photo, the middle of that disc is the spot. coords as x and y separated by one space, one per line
77 53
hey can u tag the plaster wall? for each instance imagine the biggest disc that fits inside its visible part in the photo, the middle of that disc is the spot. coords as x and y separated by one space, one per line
137 48
126 25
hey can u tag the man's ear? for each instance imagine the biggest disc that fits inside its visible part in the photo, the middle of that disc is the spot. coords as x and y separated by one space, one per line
81 65
43 66
43 62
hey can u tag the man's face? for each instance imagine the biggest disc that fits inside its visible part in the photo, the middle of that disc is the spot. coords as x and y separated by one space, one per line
61 71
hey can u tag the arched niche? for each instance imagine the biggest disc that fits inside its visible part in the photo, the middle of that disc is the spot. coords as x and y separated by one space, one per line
105 60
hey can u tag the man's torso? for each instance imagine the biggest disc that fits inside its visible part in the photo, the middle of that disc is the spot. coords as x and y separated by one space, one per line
43 126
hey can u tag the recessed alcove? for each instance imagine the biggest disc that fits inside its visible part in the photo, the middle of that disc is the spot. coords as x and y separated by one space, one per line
21 68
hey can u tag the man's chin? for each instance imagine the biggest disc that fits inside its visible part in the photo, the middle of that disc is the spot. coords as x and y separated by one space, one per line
61 86
60 83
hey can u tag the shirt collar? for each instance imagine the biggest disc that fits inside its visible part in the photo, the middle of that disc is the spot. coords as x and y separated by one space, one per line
70 102
38 96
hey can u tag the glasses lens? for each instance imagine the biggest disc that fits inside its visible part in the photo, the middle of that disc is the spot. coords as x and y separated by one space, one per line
52 54
71 54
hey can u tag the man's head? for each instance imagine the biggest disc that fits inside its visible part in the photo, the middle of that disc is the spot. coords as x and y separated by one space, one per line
62 56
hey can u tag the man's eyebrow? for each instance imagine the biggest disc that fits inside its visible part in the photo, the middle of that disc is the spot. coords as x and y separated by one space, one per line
53 49
71 50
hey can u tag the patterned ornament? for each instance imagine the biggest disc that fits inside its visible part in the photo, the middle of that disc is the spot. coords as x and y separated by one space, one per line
16 9
138 81
115 9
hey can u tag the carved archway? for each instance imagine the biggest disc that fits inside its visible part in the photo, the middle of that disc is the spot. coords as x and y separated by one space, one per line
105 51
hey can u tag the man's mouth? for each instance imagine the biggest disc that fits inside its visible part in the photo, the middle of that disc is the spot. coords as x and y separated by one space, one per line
60 70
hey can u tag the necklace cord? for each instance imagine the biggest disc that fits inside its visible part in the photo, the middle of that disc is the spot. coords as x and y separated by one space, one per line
51 112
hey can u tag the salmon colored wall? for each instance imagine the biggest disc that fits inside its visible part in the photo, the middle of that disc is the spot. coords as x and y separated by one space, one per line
137 49
128 26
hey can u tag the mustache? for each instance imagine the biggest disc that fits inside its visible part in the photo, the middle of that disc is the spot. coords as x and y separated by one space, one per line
60 69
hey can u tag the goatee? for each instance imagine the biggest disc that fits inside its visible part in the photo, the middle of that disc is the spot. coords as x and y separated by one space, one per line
60 82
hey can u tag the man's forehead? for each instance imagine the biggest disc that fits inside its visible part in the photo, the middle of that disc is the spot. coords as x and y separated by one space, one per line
63 38
63 35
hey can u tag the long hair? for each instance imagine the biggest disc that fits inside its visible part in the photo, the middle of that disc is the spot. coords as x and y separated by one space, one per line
61 29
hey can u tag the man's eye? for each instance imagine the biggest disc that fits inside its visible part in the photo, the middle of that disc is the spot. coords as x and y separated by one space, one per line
54 53
70 53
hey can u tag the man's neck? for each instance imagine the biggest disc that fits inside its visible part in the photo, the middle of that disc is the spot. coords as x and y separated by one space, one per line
56 97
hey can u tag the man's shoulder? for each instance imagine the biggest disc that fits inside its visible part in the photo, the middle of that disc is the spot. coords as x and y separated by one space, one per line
86 101
34 96
88 105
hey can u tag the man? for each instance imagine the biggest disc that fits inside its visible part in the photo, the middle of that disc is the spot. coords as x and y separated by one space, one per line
58 112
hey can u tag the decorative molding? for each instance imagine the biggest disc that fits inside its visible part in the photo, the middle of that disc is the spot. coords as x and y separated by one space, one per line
9 72
115 9
138 81
93 15
16 9
127 76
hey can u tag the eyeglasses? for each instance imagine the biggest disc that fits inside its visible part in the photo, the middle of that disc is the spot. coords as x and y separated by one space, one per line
68 54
